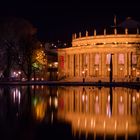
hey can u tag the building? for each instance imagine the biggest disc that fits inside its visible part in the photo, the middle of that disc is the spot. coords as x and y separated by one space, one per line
90 55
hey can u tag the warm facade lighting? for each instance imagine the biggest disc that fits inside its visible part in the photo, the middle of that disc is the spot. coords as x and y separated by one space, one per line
125 59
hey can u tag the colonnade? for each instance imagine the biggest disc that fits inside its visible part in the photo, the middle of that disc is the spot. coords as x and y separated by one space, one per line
95 64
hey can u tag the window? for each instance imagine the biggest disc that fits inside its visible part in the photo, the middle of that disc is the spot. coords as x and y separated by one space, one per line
108 57
134 59
121 59
97 59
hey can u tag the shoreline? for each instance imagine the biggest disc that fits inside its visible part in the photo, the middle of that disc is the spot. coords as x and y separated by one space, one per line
62 83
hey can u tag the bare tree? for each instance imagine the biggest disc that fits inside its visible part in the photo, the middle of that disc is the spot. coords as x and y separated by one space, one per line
16 45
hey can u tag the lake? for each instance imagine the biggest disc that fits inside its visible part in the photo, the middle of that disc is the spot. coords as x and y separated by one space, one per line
69 112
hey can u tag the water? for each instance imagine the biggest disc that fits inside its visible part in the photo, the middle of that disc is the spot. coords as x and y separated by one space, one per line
70 113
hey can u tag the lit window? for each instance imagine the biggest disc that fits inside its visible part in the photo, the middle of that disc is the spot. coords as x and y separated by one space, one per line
121 59
97 59
134 59
108 57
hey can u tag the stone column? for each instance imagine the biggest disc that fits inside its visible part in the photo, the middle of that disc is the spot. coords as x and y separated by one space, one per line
80 64
88 64
77 65
93 67
125 65
66 64
103 58
115 68
129 63
70 69
100 65
113 65
72 65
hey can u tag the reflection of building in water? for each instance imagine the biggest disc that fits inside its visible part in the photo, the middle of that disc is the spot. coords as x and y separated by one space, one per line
89 110
89 56
44 103
39 109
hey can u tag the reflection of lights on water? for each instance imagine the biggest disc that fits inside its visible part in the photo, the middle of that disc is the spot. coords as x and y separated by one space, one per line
32 87
115 124
94 123
56 102
57 93
16 95
108 98
104 124
50 101
121 98
78 122
126 125
134 99
35 102
39 108
85 122
138 95
52 117
91 122
97 98
84 97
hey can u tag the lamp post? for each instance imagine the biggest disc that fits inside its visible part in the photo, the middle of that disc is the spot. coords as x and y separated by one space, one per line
20 76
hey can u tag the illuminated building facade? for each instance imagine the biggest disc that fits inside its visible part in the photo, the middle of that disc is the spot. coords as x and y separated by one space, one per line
89 57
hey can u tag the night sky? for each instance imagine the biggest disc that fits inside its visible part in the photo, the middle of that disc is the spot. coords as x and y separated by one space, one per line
57 20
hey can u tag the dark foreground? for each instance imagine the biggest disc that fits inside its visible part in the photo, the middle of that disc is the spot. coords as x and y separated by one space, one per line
24 130
41 131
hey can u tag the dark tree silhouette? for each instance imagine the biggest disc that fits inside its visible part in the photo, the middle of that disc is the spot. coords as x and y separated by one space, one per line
17 38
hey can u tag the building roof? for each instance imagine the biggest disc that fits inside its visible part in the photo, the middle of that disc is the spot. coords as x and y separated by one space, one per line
129 23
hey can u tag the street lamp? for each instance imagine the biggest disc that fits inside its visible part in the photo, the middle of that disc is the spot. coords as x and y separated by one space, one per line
19 72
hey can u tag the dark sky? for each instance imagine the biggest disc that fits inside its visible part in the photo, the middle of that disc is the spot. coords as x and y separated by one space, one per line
57 20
